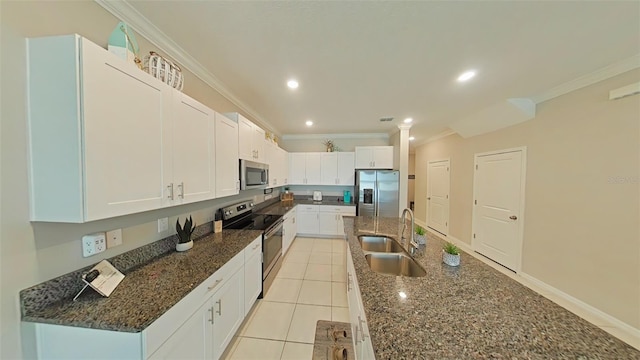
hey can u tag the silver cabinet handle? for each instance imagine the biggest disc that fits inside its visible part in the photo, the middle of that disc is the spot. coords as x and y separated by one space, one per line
219 302
211 312
255 246
237 185
360 321
513 217
348 281
181 188
215 284
170 189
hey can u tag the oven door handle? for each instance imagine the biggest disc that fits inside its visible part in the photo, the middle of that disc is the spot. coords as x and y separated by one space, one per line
273 229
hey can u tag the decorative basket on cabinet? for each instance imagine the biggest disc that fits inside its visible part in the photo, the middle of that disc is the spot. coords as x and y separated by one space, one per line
164 70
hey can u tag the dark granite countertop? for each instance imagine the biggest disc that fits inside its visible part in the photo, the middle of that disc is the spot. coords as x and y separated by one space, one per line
468 312
147 291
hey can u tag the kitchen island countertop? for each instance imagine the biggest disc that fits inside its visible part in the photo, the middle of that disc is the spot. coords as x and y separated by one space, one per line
468 312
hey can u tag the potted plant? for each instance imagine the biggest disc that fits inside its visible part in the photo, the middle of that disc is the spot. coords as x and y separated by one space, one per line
420 235
184 234
451 254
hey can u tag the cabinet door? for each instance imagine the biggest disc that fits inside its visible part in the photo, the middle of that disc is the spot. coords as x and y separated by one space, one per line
364 157
346 168
227 174
328 223
252 280
383 157
127 143
329 168
245 139
272 159
228 312
354 306
312 169
287 239
297 166
259 143
308 222
284 166
193 150
193 340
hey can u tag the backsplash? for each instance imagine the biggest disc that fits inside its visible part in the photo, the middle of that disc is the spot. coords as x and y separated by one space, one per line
68 285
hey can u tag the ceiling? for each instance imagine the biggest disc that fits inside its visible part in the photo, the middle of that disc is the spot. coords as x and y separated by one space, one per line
359 61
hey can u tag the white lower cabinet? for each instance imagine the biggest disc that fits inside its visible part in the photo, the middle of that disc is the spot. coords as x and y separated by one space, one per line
322 219
308 219
180 333
289 230
359 330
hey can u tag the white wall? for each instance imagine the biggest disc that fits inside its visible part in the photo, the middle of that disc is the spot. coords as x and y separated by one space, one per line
33 253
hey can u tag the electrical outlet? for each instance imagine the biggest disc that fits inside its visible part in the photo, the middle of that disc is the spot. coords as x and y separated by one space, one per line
93 244
114 238
163 225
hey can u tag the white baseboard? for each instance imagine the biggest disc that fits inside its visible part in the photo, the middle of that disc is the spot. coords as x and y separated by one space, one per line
606 322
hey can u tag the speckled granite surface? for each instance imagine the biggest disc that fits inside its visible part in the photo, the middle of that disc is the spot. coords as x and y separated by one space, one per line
147 291
282 207
468 312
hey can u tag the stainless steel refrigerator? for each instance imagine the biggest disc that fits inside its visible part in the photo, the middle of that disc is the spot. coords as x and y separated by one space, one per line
377 193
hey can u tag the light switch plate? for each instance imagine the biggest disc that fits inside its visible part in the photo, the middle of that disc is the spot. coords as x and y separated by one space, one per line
114 238
93 244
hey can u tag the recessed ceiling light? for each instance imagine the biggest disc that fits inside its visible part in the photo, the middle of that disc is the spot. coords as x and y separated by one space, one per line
411 138
292 84
408 120
467 75
309 123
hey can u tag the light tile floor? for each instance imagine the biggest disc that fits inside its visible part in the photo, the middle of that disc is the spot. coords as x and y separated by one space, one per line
309 287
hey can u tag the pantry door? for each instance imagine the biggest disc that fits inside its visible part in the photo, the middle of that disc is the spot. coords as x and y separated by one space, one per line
498 207
438 196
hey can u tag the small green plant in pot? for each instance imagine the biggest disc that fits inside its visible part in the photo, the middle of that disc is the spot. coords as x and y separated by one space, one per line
450 254
420 235
184 234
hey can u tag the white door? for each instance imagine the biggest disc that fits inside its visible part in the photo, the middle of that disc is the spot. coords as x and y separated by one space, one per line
329 168
346 168
312 169
438 196
245 139
228 312
499 205
227 175
297 166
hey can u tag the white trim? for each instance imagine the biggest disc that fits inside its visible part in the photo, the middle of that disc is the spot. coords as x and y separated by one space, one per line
334 136
589 79
448 161
127 13
594 316
521 220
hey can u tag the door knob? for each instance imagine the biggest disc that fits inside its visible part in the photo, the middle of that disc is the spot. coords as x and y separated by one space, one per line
429 198
513 217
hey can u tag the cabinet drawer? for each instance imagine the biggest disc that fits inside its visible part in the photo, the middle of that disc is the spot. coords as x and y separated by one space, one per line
161 329
254 248
308 208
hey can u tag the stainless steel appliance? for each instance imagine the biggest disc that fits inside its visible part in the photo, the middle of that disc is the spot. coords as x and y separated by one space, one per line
253 175
377 193
241 216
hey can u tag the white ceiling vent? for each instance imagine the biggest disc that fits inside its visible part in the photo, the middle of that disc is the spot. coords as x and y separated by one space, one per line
625 91
503 114
386 119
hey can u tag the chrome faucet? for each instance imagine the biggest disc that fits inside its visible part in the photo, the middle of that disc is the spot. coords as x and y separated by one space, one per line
412 246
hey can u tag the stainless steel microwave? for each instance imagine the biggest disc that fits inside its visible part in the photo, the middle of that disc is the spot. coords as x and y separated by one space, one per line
253 175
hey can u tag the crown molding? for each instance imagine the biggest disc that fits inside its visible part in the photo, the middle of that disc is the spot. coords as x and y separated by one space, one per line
334 136
436 137
606 72
122 10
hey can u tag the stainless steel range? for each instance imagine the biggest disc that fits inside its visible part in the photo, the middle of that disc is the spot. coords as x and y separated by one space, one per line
241 216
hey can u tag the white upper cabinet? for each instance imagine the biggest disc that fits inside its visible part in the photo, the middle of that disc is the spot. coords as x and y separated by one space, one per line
99 133
278 164
251 141
107 139
304 168
226 145
193 151
374 157
337 168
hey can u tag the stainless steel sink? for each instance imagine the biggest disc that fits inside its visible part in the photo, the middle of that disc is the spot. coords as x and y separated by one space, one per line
379 244
394 264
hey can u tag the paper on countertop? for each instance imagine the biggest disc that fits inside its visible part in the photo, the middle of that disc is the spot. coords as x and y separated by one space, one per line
107 280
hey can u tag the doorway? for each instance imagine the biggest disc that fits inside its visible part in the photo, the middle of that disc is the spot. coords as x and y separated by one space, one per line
438 196
498 206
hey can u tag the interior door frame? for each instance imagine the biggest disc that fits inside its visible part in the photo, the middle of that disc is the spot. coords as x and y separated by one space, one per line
448 160
523 178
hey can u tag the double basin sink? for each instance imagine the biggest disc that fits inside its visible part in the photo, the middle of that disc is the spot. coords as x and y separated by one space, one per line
386 256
